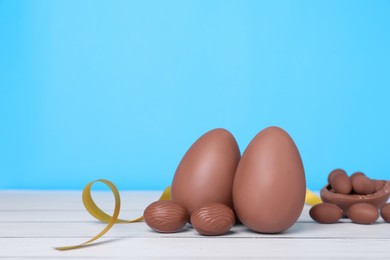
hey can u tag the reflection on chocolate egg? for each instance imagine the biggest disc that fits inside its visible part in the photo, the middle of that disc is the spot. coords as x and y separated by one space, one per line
269 185
206 172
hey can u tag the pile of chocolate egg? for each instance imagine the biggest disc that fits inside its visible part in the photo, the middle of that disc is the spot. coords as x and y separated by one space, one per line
357 197
214 186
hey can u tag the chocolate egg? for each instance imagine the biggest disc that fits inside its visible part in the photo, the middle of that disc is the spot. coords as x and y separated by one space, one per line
341 183
326 213
385 212
213 219
333 173
165 216
363 185
356 174
378 185
206 172
269 186
363 213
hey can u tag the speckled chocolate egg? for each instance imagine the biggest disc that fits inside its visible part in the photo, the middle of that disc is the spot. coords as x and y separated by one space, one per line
269 186
206 172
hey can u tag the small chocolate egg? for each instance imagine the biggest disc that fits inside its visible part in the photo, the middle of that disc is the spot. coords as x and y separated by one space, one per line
363 213
362 185
379 185
213 219
206 172
269 187
385 212
356 174
326 213
341 183
333 173
166 216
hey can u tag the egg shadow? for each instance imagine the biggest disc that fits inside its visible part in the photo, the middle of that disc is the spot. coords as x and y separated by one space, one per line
298 227
229 233
183 230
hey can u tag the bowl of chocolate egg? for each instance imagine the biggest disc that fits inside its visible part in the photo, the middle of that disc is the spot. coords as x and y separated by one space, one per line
357 197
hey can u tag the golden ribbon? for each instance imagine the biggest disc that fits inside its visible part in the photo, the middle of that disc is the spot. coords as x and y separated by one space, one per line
99 214
311 198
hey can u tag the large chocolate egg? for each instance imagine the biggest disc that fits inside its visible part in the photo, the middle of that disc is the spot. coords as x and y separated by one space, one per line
206 172
269 185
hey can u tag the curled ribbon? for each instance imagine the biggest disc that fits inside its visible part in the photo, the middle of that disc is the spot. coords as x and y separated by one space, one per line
99 214
311 199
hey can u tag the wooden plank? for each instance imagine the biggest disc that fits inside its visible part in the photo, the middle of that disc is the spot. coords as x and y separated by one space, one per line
205 248
87 229
32 223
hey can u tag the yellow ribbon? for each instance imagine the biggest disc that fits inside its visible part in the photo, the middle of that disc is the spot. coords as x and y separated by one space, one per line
311 198
99 214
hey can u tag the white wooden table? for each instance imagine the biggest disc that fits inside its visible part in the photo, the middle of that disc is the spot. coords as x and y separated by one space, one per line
33 222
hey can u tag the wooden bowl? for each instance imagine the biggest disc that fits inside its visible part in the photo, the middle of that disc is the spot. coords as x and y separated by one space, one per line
378 199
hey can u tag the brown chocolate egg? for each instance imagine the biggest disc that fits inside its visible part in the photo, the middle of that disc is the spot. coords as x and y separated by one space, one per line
378 185
354 175
269 186
363 213
385 212
333 173
206 172
341 183
213 219
363 185
326 213
165 216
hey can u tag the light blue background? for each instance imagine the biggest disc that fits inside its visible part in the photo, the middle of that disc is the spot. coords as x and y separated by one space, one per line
121 89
